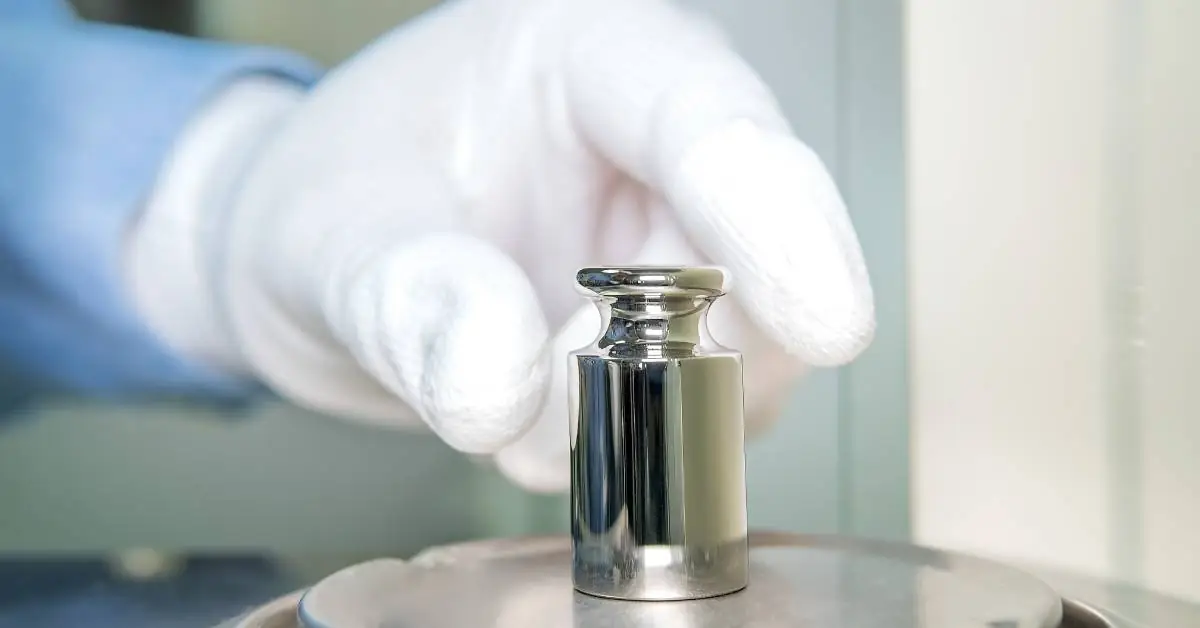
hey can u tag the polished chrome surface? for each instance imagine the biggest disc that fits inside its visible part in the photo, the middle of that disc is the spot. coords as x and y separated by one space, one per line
657 442
797 581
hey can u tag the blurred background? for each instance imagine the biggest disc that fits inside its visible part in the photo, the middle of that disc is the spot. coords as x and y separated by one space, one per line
1025 178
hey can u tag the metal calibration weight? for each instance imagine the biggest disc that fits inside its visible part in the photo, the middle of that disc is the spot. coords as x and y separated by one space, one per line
658 489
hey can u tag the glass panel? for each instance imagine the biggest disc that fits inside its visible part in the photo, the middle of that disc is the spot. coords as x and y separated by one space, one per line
191 477
1055 186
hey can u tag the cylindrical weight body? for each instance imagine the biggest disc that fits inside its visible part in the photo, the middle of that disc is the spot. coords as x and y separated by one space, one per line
657 430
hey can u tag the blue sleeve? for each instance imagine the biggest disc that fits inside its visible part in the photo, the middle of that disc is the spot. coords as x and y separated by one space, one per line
88 112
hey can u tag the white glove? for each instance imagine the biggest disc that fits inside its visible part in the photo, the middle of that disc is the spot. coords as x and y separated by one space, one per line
402 244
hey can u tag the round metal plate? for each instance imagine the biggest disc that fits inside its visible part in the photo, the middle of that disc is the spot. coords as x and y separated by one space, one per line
796 580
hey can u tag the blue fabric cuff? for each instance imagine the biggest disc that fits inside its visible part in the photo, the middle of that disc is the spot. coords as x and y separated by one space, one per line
88 113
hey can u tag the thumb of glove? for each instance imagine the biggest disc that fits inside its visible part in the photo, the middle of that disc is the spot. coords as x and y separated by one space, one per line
440 325
452 327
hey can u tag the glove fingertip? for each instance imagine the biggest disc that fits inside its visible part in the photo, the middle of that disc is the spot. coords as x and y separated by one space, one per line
762 204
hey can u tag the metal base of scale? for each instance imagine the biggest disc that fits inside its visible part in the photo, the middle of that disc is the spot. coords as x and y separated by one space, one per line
795 581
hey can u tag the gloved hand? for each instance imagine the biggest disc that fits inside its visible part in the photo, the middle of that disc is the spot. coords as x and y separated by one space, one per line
398 245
